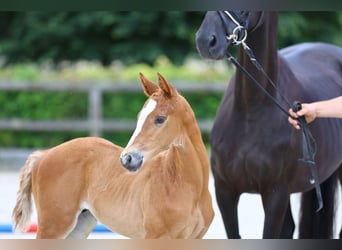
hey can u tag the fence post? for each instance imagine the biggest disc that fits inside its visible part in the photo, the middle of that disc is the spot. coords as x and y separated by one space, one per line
95 111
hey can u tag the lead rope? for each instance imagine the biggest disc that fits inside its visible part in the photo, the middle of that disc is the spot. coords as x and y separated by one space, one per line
308 142
309 151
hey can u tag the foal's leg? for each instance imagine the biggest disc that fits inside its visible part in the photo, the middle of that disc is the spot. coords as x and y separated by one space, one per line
57 216
276 205
55 224
228 204
85 224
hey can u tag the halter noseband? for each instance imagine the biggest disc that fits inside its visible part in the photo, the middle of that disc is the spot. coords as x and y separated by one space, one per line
239 33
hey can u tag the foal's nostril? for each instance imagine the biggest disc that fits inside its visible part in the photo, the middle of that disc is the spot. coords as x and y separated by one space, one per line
128 158
212 41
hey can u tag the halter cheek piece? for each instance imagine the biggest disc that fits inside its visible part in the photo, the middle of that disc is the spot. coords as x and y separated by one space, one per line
239 33
238 37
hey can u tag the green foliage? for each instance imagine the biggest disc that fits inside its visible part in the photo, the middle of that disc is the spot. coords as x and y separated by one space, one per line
120 138
122 106
44 106
38 140
73 105
191 70
36 105
135 36
297 27
98 35
204 105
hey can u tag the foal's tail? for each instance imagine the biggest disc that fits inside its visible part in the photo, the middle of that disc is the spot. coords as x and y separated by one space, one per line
319 225
22 211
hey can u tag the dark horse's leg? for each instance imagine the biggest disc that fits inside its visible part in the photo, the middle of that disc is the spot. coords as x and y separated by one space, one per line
340 177
288 225
228 205
276 206
318 225
226 196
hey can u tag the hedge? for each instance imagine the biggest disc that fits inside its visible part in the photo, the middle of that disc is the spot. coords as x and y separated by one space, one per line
72 105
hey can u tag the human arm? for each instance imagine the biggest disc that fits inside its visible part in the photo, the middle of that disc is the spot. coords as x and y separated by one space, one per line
331 108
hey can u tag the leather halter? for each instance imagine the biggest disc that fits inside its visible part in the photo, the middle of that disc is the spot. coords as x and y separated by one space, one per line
239 33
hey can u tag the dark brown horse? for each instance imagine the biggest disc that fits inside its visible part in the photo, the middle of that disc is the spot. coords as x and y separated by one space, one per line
254 149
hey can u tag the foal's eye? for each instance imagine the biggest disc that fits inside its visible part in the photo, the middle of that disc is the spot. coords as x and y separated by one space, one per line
160 120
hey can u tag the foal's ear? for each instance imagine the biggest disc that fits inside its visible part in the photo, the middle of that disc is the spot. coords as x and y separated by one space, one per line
167 88
148 85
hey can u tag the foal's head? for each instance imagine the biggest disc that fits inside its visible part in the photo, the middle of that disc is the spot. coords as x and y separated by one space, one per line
161 122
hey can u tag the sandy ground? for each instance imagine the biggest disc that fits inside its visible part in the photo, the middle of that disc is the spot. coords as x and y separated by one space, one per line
251 215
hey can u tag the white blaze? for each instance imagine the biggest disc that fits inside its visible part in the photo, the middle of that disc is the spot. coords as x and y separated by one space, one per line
150 106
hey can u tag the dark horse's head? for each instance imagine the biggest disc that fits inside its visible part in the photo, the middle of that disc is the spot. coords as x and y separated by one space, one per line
220 29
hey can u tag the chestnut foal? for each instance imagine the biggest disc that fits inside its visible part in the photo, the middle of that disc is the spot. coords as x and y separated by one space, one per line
156 187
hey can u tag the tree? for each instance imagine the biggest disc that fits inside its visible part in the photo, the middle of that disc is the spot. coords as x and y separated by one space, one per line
134 36
99 35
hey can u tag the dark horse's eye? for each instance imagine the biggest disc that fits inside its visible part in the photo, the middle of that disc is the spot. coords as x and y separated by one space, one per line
159 120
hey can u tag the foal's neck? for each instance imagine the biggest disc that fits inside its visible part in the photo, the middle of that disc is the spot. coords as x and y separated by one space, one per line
263 43
195 139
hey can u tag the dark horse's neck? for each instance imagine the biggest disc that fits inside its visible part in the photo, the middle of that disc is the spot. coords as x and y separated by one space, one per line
263 42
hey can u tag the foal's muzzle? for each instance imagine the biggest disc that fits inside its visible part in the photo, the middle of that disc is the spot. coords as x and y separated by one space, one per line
132 161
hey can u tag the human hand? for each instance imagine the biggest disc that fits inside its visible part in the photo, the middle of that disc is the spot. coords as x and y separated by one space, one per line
307 110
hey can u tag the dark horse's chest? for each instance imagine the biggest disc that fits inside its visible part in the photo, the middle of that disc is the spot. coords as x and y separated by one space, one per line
247 148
